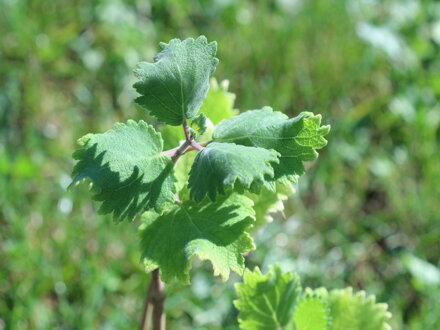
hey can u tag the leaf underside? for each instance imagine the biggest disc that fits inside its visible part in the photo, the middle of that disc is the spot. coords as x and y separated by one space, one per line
295 139
210 231
174 86
127 172
222 166
266 301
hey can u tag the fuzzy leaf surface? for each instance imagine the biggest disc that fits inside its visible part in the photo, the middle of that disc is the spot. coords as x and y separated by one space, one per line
210 231
220 166
296 139
127 171
266 301
174 86
218 105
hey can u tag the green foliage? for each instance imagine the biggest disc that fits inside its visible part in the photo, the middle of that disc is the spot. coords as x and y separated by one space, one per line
199 124
295 139
357 311
210 231
274 301
172 135
128 174
227 165
182 170
219 103
270 201
311 312
131 174
65 70
174 87
266 301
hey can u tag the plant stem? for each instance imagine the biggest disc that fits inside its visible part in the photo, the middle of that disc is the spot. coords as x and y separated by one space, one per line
189 138
186 132
186 146
196 146
175 153
154 303
146 315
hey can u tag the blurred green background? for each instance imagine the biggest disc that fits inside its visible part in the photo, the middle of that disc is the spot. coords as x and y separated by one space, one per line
366 214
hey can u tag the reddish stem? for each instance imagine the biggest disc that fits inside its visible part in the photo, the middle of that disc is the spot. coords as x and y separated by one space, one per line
189 138
154 303
186 131
196 146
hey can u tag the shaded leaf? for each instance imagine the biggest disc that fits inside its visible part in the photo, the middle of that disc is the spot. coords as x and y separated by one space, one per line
127 171
209 231
220 166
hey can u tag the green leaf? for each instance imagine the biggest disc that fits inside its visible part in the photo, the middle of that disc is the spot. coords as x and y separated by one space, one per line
266 301
181 170
357 311
268 201
312 312
174 86
210 231
127 171
172 136
199 124
296 139
221 166
219 103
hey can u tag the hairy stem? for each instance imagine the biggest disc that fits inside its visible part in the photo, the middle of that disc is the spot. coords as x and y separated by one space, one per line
186 132
196 146
188 145
154 304
175 153
189 138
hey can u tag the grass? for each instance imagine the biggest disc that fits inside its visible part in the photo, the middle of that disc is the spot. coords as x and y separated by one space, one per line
370 201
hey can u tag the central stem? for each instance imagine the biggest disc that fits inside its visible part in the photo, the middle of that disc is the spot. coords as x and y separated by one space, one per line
155 295
189 138
154 304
